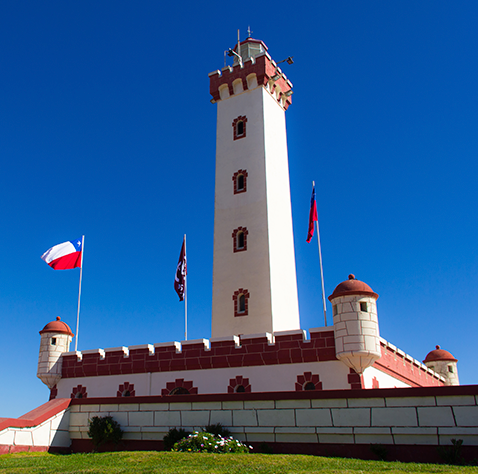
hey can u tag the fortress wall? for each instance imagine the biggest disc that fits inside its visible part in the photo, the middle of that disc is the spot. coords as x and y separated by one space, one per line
288 347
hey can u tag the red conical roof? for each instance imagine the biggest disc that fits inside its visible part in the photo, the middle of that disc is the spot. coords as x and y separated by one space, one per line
439 354
57 326
352 287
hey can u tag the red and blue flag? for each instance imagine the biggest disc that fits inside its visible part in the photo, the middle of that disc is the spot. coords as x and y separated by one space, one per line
312 215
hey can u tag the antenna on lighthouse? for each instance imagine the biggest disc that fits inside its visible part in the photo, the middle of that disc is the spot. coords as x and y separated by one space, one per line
231 52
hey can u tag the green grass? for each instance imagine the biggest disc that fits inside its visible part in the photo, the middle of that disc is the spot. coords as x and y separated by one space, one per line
168 462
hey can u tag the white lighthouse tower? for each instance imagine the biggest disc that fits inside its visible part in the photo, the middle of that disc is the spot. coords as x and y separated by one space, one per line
254 278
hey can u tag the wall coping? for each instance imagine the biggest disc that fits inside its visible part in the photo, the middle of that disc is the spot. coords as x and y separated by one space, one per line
457 390
36 416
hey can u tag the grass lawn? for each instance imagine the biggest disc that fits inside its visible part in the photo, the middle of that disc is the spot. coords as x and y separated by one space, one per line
169 462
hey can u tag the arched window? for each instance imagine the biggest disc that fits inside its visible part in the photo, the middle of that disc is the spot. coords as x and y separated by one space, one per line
179 391
308 381
241 302
239 239
126 390
240 182
239 179
179 387
239 384
239 127
79 392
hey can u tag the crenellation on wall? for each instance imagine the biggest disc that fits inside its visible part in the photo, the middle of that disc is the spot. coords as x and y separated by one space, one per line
285 347
404 367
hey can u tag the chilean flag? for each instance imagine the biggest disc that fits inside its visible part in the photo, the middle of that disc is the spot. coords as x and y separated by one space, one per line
312 215
64 256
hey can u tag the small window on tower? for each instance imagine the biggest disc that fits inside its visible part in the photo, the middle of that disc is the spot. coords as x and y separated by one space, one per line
240 182
335 310
363 306
239 179
53 341
239 127
450 369
241 302
239 239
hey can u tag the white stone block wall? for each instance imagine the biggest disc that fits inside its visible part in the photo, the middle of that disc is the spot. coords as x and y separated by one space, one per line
53 432
422 420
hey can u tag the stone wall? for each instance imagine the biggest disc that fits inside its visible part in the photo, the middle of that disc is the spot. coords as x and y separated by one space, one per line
43 429
408 422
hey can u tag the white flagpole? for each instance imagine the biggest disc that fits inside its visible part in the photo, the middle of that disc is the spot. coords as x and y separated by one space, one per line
185 293
321 267
79 292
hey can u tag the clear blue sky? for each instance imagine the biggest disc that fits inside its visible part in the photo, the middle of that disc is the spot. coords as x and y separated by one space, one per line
106 130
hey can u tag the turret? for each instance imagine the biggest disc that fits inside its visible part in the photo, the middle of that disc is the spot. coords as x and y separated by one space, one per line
444 363
55 339
357 338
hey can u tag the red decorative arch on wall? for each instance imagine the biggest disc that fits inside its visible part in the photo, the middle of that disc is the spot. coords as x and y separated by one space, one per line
179 387
79 392
308 381
239 384
124 389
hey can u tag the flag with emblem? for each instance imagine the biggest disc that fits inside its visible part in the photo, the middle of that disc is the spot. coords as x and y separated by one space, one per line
181 272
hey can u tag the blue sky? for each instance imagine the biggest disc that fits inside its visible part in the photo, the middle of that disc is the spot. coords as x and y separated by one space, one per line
106 130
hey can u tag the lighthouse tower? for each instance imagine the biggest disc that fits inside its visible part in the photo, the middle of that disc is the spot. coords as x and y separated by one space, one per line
55 339
254 278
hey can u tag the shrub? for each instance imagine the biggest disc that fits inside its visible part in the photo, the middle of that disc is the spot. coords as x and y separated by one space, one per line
380 451
208 443
452 454
217 430
174 435
103 429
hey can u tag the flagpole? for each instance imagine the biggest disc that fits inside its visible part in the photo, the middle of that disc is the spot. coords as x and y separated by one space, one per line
185 294
321 267
79 292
